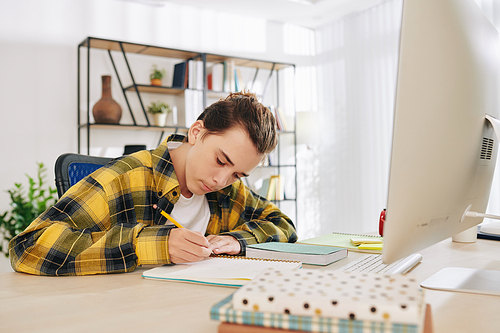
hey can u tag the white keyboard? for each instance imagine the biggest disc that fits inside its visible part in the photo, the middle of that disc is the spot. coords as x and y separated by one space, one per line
373 263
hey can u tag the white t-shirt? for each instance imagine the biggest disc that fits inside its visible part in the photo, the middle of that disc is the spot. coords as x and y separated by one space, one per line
193 213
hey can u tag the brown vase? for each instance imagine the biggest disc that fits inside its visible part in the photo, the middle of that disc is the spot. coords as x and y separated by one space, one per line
106 110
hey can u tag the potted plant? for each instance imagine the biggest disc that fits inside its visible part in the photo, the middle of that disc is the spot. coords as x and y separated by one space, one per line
159 110
25 207
157 75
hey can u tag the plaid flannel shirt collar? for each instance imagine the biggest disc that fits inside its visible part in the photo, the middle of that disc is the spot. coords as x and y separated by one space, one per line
163 168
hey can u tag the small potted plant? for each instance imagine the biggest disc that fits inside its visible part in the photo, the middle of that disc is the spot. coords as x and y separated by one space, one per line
159 110
157 75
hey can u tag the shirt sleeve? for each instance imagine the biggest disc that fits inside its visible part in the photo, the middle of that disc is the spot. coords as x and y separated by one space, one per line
252 219
77 236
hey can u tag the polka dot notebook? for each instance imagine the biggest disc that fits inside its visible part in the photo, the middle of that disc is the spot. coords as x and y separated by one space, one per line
333 294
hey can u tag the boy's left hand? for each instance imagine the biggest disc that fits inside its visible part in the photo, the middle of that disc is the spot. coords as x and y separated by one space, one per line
223 244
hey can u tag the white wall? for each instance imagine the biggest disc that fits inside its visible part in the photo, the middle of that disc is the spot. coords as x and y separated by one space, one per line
38 61
38 65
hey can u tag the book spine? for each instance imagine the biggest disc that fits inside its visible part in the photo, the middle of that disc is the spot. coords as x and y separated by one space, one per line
224 312
356 235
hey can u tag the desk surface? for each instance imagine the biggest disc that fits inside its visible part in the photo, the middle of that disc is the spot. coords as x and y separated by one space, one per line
129 303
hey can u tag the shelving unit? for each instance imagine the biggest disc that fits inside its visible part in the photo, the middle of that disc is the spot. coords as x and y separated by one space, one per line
134 90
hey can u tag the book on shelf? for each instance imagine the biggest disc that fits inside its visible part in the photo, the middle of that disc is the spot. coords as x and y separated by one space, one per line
199 75
210 76
315 300
217 71
195 71
278 187
229 271
272 188
191 74
238 80
264 188
307 254
229 84
179 79
282 118
193 106
339 239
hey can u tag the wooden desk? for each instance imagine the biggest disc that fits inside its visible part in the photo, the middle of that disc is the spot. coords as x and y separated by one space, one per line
129 303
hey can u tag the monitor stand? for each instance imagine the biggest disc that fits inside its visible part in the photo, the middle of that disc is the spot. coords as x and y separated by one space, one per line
491 229
468 280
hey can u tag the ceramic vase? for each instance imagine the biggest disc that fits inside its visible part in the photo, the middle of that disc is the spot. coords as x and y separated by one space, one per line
106 110
160 119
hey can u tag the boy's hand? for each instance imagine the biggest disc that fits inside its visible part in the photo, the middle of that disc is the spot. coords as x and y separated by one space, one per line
224 244
185 245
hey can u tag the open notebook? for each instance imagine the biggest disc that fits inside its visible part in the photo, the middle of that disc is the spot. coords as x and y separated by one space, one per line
230 271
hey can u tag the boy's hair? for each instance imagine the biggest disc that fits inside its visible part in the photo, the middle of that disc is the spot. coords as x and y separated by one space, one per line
242 109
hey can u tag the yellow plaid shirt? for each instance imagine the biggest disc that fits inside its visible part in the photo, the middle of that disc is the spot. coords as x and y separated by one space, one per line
106 223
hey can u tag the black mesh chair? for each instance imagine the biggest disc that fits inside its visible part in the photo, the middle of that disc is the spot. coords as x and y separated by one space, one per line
71 168
129 149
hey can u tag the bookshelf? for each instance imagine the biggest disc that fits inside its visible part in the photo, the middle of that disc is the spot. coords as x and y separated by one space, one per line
126 62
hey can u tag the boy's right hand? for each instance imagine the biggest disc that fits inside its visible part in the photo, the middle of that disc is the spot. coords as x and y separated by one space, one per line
185 245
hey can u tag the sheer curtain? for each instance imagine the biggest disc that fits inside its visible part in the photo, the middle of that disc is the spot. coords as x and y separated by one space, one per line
356 70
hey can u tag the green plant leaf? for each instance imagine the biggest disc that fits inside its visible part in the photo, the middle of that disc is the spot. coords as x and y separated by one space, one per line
25 206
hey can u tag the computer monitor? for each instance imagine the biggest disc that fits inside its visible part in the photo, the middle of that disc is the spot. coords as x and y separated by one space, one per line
444 150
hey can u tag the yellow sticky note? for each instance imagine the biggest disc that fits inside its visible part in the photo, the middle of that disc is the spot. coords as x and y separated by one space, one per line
365 240
365 246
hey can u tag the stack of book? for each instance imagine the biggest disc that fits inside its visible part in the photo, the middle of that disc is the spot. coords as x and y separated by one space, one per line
273 188
188 74
281 122
224 76
313 300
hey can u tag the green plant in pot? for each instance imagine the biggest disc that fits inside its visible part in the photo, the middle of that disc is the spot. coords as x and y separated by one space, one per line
159 110
25 207
157 75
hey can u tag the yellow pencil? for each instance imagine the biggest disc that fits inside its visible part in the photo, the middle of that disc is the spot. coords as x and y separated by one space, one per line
170 218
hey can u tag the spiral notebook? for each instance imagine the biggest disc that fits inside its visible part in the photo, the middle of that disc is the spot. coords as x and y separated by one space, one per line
229 271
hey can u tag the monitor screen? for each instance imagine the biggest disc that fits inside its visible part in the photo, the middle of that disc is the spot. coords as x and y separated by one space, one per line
444 150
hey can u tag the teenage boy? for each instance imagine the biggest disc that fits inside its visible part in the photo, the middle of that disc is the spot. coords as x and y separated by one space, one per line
107 224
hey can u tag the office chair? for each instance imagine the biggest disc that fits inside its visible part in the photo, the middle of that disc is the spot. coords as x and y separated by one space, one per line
71 168
129 149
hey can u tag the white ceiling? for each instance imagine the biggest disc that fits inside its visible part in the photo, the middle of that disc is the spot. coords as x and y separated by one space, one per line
312 15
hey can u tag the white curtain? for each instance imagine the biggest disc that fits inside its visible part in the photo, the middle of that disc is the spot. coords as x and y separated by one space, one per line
345 173
356 70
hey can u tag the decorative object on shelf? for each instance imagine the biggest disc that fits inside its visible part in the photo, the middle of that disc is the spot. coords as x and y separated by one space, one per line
106 110
157 75
159 110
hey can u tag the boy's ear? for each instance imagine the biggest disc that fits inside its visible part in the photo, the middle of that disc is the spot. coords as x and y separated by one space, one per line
195 131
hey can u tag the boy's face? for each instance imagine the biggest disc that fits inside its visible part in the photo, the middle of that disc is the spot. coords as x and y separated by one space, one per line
217 161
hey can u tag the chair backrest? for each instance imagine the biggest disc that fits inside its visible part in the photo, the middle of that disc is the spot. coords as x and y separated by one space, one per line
71 168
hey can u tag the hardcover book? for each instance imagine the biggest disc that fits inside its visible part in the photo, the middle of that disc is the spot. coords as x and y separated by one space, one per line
308 254
389 299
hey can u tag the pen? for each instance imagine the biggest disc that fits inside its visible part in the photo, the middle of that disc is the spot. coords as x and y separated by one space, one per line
170 218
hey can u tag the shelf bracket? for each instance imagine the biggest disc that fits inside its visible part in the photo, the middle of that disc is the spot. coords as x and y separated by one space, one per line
135 84
268 81
254 78
121 86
